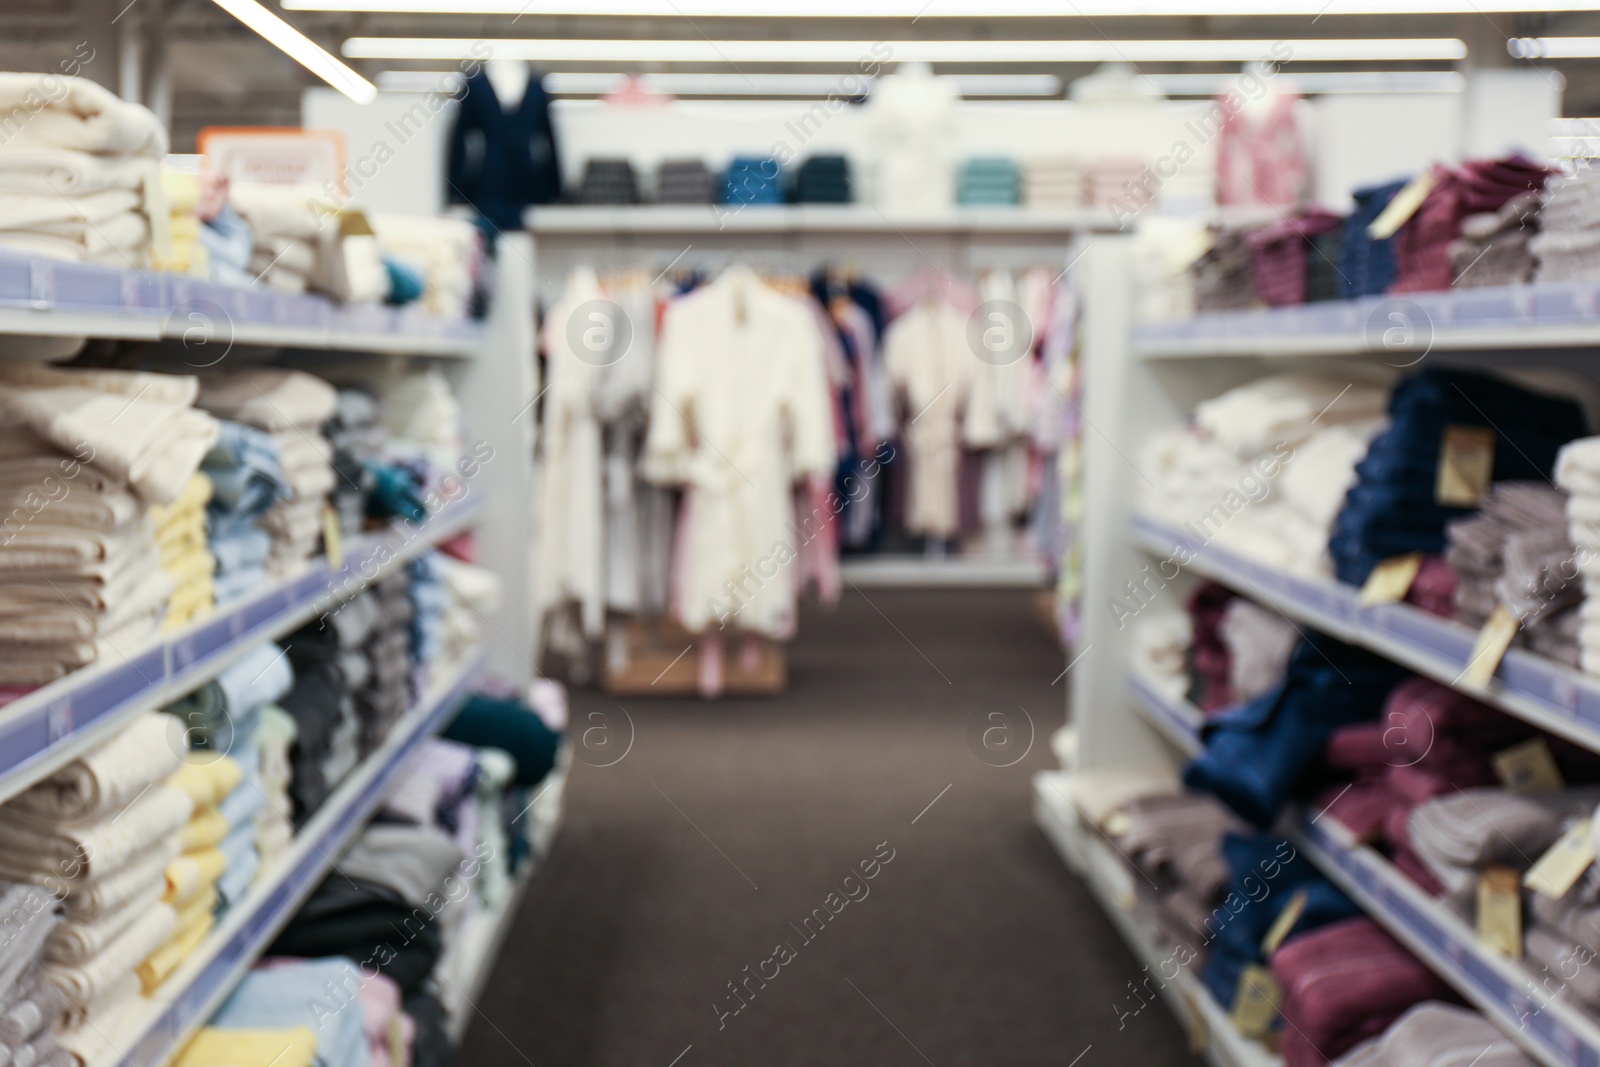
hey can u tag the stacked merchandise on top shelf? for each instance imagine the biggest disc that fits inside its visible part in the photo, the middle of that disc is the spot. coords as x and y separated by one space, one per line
87 455
79 173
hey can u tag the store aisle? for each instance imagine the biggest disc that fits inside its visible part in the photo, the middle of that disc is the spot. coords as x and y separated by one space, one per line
685 863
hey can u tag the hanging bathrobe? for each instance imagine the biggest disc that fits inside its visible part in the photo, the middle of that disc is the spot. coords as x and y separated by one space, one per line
571 550
947 392
742 411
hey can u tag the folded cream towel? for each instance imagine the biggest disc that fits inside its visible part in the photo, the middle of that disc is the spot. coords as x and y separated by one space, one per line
25 664
119 241
60 621
45 471
69 173
194 922
191 874
96 590
63 504
281 210
269 398
77 114
96 981
86 903
45 211
76 943
105 782
155 446
177 389
49 549
31 847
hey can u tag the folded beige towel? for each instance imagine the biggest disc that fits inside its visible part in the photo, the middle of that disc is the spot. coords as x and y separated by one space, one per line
60 621
96 589
155 446
41 212
41 473
31 847
96 981
119 241
24 664
104 783
43 548
76 943
180 390
88 902
62 503
269 398
69 173
83 117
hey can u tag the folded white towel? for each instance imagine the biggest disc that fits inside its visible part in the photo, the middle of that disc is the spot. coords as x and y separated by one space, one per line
99 898
106 781
157 447
118 241
69 173
76 943
32 848
269 398
281 210
43 211
179 389
52 111
91 983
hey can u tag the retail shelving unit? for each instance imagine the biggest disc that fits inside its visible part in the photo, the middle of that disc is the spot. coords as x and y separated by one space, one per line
491 366
1141 380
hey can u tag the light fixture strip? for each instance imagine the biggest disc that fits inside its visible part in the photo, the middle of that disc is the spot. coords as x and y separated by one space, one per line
301 49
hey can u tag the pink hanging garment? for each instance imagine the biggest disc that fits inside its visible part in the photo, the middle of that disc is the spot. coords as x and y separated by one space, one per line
1262 162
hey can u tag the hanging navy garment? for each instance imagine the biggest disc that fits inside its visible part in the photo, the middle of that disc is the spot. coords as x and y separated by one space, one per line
500 160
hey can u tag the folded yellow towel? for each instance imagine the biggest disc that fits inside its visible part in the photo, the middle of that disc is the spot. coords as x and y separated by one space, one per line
196 494
195 921
214 1047
206 829
192 873
207 778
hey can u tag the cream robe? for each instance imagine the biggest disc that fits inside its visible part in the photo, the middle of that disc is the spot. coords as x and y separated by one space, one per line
948 395
741 411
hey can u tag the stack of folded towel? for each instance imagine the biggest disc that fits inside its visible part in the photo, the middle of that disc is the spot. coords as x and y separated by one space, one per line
277 1006
1344 984
1476 187
989 181
475 593
753 180
292 240
1366 264
1279 255
1568 246
390 688
1495 248
185 555
246 484
1578 472
191 879
327 728
292 407
29 1003
1175 841
1517 552
1222 276
1457 835
99 834
358 441
83 454
1112 179
1053 183
1433 1034
1394 509
275 736
447 252
608 181
187 254
823 180
685 181
430 600
76 169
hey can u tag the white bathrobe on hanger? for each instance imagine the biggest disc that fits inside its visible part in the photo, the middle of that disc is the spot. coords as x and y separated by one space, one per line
948 393
742 410
570 558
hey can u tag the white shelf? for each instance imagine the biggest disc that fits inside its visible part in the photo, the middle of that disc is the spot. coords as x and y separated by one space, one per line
50 298
1499 318
47 729
1549 695
1555 1033
950 572
1110 881
157 1027
806 219
468 963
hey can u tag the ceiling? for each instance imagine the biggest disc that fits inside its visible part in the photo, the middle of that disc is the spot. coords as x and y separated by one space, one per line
223 74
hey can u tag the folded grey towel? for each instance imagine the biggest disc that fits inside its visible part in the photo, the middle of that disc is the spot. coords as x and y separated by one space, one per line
1438 1035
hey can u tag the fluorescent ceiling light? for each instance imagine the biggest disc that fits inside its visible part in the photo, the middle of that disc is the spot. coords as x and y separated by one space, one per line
721 85
301 49
1318 82
572 50
920 9
1554 47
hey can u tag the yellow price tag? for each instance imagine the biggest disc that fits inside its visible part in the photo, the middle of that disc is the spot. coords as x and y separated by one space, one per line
1490 648
1559 869
1284 923
332 545
1391 580
1529 768
1466 466
1500 911
1255 1003
1402 207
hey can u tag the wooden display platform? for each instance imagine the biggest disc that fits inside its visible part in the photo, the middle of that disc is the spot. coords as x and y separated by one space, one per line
659 658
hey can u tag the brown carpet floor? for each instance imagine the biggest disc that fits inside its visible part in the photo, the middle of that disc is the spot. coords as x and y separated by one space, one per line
687 861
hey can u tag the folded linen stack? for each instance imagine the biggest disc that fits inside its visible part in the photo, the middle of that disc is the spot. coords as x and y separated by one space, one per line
753 180
1264 471
1222 276
475 593
1053 183
327 728
447 252
1578 472
1568 246
98 834
1112 181
292 407
429 602
275 738
424 422
989 181
207 778
293 239
1344 984
185 556
280 1004
76 171
1476 187
1433 1034
84 454
358 443
1456 836
1279 255
29 1004
685 181
438 789
824 180
1175 841
1367 265
187 254
1495 248
1393 509
247 482
608 181
391 686
1517 552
